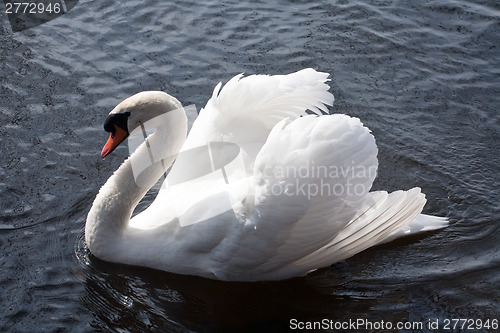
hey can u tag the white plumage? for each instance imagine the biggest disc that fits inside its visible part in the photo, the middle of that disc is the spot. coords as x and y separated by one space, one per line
260 190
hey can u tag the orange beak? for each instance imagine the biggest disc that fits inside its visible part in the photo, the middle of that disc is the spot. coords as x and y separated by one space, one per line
114 140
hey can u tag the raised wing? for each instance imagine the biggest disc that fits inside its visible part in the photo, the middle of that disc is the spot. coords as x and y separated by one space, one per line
311 178
246 109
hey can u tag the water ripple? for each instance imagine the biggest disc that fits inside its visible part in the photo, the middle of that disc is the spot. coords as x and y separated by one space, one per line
423 76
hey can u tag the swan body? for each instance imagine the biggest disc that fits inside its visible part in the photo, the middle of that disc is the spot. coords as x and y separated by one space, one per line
260 190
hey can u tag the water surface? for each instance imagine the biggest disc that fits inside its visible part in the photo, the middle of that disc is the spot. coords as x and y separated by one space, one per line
423 76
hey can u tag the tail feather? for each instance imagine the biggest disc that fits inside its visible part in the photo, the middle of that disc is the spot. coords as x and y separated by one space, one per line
391 216
421 223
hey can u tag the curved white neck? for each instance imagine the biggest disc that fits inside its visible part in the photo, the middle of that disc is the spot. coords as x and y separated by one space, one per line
113 206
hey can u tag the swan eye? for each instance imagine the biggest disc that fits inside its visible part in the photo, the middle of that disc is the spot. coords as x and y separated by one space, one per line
118 119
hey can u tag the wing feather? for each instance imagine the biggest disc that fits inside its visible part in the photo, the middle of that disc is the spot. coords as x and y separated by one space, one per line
245 109
305 166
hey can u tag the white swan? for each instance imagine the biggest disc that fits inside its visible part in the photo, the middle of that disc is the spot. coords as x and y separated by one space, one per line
260 190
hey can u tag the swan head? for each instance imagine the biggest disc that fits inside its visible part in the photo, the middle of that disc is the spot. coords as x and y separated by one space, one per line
134 111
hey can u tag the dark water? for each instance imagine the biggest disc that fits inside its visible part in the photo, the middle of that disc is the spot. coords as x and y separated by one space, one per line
423 75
